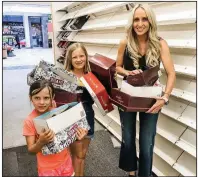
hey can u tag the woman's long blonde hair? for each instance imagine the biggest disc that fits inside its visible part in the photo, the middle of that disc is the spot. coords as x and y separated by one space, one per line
154 47
68 59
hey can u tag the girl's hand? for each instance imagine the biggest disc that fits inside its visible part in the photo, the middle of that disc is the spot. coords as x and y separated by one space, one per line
134 72
157 106
81 133
46 136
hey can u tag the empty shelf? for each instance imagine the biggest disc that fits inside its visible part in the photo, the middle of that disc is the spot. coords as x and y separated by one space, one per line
188 142
161 19
188 96
186 165
105 120
177 18
161 168
99 7
169 128
174 109
184 70
188 117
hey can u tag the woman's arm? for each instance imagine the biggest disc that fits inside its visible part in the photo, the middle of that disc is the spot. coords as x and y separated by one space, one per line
169 68
119 60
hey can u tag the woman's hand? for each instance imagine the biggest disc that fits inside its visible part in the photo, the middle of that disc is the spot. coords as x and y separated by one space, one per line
134 72
46 136
157 106
81 133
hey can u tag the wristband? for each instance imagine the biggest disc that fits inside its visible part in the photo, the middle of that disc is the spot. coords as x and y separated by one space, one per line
166 100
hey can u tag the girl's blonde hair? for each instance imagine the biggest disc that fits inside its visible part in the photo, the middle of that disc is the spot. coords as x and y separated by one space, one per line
68 59
154 47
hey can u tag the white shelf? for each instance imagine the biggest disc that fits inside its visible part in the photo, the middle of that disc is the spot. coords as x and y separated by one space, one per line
60 30
99 7
184 70
188 117
169 129
67 5
111 25
187 147
92 9
186 165
68 16
170 153
114 115
171 43
166 133
188 96
101 49
161 19
190 44
177 18
97 41
166 150
188 142
105 120
161 168
174 109
163 148
115 129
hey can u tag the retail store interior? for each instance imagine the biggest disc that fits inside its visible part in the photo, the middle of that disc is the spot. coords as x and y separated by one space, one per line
35 31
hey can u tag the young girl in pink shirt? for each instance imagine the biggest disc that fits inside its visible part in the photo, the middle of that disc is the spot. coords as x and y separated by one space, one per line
41 94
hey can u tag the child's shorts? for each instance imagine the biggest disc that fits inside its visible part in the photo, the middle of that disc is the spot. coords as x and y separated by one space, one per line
90 118
66 169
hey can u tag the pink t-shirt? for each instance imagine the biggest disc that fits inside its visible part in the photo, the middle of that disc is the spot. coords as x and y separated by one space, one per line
44 162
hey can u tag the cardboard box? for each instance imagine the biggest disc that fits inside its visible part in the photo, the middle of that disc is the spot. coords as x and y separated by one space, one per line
60 78
63 97
130 103
147 77
104 69
59 119
97 92
148 91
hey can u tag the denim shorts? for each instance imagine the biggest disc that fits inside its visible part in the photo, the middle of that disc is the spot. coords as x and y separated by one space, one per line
90 118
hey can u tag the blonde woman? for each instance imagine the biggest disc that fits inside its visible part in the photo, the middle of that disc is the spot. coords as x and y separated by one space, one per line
142 49
77 62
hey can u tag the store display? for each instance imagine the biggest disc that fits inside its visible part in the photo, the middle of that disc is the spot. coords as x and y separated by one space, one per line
80 21
64 27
